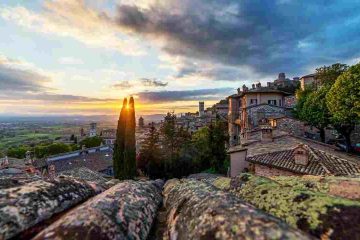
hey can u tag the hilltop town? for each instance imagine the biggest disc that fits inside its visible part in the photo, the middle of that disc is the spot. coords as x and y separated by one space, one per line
179 120
267 151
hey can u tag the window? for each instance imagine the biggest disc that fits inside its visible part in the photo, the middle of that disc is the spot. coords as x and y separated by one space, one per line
280 103
272 102
253 101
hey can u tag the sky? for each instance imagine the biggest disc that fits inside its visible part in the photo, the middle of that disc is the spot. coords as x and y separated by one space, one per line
64 57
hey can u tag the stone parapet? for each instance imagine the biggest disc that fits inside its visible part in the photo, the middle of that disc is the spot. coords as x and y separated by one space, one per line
315 211
24 206
125 211
198 210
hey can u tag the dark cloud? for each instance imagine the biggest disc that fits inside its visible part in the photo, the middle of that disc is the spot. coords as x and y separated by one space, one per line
153 83
168 96
50 97
269 36
16 79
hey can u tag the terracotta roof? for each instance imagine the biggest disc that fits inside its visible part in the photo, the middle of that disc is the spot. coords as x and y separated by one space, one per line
265 90
97 161
309 75
320 162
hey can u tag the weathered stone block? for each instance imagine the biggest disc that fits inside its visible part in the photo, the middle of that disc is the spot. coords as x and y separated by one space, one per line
24 206
125 211
318 213
197 210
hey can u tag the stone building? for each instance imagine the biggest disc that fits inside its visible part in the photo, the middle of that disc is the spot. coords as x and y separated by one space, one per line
92 131
141 122
249 106
201 109
308 80
268 152
282 82
109 136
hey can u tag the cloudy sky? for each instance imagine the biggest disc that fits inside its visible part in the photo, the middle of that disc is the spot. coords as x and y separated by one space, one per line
84 56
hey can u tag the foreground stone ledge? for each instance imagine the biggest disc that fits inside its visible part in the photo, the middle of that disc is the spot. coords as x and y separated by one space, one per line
125 211
197 210
317 213
24 206
345 187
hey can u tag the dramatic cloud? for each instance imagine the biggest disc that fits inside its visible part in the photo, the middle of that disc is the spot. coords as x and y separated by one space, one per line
147 82
186 95
73 18
19 76
270 36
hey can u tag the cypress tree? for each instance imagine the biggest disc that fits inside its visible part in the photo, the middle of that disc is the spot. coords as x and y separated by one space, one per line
118 155
130 149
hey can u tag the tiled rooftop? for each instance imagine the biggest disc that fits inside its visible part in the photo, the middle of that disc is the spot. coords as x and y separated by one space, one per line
320 163
96 161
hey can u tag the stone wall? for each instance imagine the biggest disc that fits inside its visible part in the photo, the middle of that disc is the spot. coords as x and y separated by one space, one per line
265 171
290 125
255 114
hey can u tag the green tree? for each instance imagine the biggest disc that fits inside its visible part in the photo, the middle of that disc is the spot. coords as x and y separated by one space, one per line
118 155
130 148
91 142
18 152
217 139
169 140
343 101
312 106
42 151
200 140
301 96
327 75
315 111
150 154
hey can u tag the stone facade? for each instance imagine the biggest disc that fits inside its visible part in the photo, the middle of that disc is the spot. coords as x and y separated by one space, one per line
289 125
256 113
270 172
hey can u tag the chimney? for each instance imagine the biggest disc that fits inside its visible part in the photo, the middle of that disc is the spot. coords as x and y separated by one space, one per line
266 134
244 88
301 155
269 84
258 85
253 86
238 91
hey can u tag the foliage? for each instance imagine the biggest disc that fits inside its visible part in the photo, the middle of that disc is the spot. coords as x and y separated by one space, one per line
118 155
18 152
173 152
200 140
91 142
327 75
301 96
343 101
312 105
129 144
42 151
150 154
315 111
217 139
124 156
